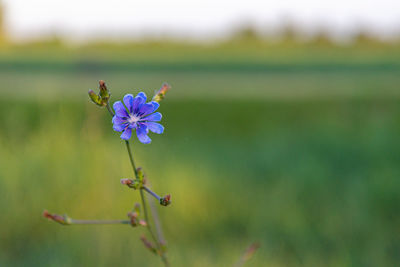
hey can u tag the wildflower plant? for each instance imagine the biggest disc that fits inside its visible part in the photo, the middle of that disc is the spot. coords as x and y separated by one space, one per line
130 115
136 114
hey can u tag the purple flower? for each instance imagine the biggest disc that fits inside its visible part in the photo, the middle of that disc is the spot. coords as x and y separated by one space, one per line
137 114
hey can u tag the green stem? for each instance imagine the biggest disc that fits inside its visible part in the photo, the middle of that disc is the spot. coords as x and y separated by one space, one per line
148 190
128 147
146 216
109 109
159 232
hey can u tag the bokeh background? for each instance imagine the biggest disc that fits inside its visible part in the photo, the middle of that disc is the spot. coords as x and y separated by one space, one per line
280 129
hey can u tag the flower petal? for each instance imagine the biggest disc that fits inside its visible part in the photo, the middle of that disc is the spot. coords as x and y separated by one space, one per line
148 108
118 120
120 110
119 127
132 125
119 124
128 101
126 135
153 117
141 133
138 101
155 127
142 95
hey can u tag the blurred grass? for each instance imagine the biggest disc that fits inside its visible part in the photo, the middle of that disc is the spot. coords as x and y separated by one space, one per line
303 160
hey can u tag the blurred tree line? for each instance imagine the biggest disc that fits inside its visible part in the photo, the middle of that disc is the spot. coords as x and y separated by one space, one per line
287 34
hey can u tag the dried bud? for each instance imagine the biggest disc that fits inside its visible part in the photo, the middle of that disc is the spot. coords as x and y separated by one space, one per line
165 201
102 85
135 184
64 220
126 181
133 216
161 92
104 94
47 214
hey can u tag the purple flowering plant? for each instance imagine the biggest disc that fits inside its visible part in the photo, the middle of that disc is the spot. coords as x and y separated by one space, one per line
133 114
136 114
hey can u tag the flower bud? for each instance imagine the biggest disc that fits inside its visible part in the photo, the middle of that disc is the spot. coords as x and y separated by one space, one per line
102 98
161 92
133 216
95 98
64 220
126 181
140 174
104 94
165 201
135 184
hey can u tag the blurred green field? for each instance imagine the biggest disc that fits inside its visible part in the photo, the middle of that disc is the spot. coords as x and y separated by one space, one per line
300 157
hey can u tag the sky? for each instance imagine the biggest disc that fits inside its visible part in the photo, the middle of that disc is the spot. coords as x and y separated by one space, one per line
197 19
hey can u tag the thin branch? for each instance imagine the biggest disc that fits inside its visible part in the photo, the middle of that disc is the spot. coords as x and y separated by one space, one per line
160 241
100 221
157 222
164 201
146 217
65 220
148 190
138 184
